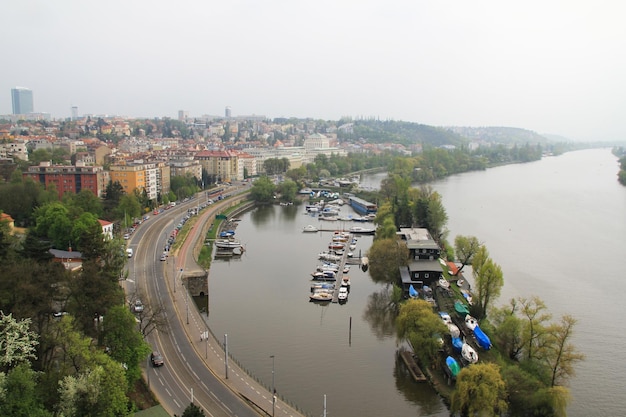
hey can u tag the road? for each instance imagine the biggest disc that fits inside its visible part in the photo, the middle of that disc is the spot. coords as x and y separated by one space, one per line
194 369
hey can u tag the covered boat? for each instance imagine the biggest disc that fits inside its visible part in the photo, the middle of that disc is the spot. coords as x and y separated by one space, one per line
453 366
443 283
481 338
457 343
469 354
309 228
461 309
471 322
454 330
445 317
413 292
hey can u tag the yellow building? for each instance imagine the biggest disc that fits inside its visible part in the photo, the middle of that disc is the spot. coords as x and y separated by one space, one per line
153 178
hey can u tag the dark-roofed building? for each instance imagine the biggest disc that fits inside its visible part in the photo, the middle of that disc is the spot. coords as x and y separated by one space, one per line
424 267
71 260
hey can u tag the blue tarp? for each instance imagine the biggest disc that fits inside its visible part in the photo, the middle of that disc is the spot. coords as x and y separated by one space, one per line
412 292
481 338
453 366
457 343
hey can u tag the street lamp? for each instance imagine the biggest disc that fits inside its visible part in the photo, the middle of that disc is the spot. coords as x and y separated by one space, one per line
273 388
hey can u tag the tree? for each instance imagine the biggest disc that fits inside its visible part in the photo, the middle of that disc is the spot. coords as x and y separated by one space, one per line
192 410
262 190
87 235
417 323
17 342
19 396
533 311
84 201
558 353
126 344
508 330
465 248
480 391
488 284
386 256
288 190
128 209
53 222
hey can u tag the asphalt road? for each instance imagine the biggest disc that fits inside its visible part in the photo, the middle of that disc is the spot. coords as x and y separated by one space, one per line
186 376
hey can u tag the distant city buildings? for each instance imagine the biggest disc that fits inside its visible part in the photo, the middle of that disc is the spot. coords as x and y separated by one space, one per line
22 100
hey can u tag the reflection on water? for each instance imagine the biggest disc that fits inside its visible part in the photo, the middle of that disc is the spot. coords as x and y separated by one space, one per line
380 313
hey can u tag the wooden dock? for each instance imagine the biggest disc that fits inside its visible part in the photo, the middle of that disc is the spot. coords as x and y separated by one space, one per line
411 364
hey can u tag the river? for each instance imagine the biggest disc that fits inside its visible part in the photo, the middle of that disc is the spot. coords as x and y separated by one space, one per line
556 227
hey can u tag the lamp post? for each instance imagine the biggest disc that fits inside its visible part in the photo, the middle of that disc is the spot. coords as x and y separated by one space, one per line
273 388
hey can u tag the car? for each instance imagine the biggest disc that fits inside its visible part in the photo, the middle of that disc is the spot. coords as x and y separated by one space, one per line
138 307
126 236
164 256
156 359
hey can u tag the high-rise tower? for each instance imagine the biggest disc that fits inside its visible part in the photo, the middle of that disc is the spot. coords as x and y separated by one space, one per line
22 100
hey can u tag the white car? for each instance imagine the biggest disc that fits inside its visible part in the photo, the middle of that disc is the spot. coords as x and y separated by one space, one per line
138 307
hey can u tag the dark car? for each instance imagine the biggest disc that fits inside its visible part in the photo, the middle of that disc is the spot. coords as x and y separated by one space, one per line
156 359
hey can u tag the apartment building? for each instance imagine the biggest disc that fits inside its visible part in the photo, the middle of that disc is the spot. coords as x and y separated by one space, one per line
70 178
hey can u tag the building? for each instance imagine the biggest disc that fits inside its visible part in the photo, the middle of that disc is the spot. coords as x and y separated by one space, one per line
70 178
222 165
424 267
151 177
22 100
228 112
107 229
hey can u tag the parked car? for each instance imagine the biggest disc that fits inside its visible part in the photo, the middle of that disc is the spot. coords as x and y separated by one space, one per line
164 256
138 307
156 359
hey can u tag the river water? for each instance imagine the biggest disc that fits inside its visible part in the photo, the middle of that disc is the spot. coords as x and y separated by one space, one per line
557 227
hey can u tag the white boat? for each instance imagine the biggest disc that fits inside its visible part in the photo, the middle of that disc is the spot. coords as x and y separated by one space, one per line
362 230
470 322
468 296
445 317
321 296
454 330
443 283
227 243
346 269
310 228
345 281
469 354
328 256
343 294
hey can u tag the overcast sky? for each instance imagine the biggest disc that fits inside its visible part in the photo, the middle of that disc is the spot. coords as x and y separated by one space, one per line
554 67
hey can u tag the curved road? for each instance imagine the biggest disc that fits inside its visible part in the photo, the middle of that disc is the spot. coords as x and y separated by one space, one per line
194 369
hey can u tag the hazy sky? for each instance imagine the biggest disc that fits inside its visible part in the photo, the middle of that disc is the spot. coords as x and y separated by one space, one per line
549 66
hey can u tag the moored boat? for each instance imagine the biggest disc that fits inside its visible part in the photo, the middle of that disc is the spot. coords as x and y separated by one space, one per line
457 343
461 309
413 292
470 322
362 230
454 330
469 354
453 366
309 228
227 244
321 296
443 283
481 338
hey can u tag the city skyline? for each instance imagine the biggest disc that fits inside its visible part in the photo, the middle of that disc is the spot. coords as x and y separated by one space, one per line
551 68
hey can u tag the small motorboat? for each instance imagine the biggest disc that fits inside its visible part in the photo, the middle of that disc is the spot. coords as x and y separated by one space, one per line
443 283
413 292
445 317
457 344
481 338
310 229
461 309
321 296
468 296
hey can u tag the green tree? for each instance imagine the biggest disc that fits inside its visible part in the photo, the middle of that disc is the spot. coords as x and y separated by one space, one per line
53 222
87 235
84 202
112 197
128 209
126 344
465 248
288 190
559 353
18 394
480 391
508 330
535 315
192 410
386 256
418 324
488 284
262 190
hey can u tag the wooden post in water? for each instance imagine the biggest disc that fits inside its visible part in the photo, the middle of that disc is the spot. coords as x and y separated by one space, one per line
350 333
